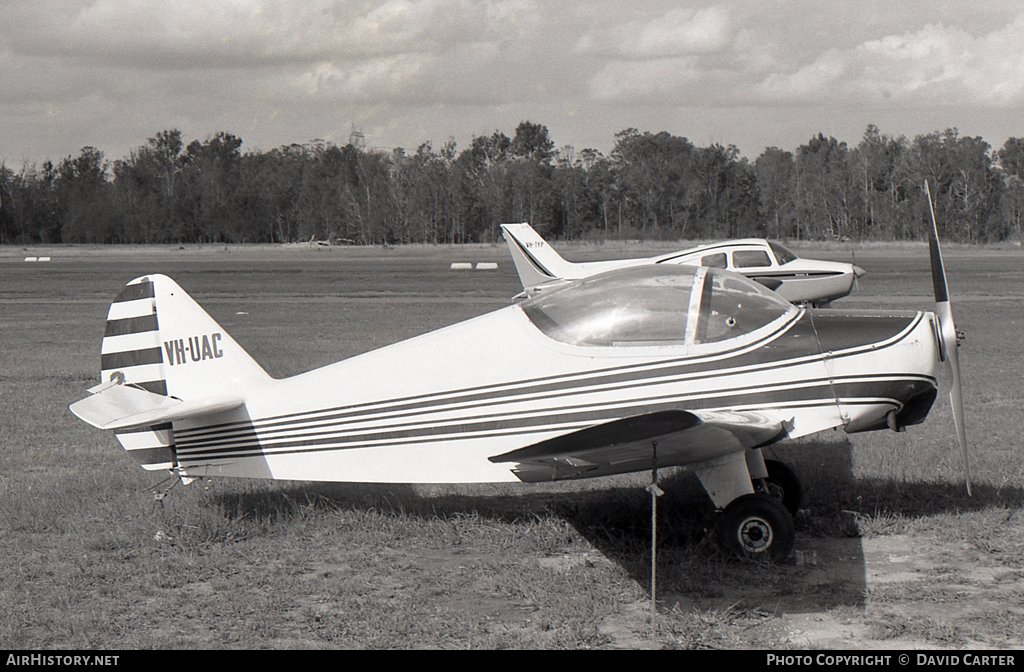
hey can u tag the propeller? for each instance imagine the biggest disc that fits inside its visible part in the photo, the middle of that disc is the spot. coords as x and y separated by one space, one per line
857 270
950 337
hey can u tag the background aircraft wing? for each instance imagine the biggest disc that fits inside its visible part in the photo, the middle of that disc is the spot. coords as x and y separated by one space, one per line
627 445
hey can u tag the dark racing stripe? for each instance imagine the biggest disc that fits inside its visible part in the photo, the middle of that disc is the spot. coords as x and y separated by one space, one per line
851 392
140 290
197 458
154 386
121 360
539 267
152 456
139 430
790 275
734 396
131 325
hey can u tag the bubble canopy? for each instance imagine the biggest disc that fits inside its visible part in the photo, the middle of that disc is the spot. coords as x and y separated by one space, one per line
656 305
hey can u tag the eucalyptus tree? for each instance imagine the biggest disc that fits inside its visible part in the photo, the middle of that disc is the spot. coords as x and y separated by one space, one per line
825 198
569 181
209 182
721 193
530 173
964 182
775 171
649 170
484 186
28 204
83 199
883 168
1011 202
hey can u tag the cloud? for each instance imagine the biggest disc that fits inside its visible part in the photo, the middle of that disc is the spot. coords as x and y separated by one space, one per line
257 33
672 33
111 72
662 56
936 64
681 32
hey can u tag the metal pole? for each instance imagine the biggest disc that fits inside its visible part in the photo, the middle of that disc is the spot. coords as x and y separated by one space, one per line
655 493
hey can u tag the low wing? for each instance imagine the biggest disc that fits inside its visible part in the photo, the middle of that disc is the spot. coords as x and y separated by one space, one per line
767 281
114 406
626 445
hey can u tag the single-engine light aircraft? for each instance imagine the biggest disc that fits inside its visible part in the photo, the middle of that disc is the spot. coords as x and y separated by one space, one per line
689 365
768 262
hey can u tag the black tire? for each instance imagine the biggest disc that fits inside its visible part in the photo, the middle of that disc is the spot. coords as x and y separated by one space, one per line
756 527
782 485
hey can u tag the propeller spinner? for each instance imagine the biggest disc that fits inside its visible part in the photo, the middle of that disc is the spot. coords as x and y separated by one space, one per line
950 340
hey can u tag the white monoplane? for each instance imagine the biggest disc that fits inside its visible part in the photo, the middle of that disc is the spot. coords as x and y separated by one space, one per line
770 263
686 365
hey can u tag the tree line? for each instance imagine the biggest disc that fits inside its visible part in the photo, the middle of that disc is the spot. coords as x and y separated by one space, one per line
651 185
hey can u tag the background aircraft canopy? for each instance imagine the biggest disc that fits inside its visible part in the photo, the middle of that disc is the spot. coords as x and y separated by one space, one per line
782 253
656 305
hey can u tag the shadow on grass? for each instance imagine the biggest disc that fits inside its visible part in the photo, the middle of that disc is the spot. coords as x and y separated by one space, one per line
614 516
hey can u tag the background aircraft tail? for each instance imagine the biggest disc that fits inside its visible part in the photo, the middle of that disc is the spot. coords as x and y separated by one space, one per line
163 359
536 261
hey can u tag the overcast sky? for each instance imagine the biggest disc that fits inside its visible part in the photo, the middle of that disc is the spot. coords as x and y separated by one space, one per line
753 73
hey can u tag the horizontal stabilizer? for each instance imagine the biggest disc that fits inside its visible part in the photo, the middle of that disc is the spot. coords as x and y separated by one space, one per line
627 444
123 406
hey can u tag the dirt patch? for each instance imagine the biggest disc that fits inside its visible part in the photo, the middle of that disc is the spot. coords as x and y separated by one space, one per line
887 592
918 592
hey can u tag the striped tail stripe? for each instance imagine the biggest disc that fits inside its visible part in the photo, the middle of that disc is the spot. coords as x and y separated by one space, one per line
131 352
152 446
131 341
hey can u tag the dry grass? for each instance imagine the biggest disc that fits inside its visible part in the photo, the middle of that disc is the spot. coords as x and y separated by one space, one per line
93 560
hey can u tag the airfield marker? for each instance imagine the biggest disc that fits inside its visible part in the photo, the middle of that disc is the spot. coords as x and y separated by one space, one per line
461 266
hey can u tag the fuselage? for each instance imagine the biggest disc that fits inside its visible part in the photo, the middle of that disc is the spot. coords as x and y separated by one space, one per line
796 279
436 407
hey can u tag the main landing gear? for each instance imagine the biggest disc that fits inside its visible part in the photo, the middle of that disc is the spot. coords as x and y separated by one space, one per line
756 526
757 499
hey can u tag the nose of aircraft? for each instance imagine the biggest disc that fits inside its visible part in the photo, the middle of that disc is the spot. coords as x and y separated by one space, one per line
858 271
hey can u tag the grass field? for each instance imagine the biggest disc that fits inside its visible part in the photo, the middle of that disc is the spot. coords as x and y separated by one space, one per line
92 559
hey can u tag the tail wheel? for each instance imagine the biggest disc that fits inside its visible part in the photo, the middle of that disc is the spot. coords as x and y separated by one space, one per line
783 485
756 526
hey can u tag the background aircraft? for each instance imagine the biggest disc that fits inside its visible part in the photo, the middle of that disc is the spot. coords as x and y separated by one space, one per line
797 280
689 366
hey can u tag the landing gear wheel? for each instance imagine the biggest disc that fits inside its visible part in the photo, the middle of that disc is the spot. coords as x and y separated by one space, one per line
755 527
782 485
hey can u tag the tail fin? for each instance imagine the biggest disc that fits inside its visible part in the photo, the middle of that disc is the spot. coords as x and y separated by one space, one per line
158 338
163 358
536 261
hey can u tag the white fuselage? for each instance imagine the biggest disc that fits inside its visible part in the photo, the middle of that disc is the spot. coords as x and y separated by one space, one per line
433 409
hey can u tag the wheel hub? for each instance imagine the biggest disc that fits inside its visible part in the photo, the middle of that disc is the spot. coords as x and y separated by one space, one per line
755 534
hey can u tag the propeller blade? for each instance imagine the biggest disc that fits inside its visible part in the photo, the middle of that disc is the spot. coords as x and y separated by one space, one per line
857 270
950 340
